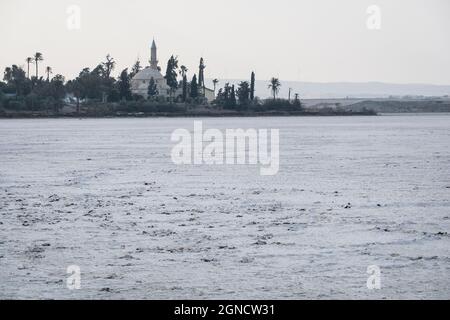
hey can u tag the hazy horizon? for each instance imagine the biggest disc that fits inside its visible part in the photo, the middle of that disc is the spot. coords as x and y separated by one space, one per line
341 90
309 41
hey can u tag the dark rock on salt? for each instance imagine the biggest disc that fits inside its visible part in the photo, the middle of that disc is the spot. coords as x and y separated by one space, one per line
53 198
260 243
127 257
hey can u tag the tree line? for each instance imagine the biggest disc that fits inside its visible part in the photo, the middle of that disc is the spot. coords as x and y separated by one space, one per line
21 90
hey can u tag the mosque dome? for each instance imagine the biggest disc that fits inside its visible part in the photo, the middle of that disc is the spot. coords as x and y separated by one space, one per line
148 73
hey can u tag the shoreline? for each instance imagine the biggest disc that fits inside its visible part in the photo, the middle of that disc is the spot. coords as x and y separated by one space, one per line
189 115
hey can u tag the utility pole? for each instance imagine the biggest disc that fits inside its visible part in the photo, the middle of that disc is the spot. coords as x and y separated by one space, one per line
289 97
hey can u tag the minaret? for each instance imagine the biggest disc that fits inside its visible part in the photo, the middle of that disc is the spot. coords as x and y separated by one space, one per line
153 59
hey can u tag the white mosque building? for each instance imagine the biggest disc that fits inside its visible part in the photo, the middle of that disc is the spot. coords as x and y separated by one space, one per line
140 82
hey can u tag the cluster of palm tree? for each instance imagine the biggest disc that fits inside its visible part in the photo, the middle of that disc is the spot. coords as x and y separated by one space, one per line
274 86
35 59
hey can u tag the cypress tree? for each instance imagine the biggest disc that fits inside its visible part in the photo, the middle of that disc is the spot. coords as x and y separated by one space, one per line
233 96
201 76
171 74
194 87
184 88
152 88
252 87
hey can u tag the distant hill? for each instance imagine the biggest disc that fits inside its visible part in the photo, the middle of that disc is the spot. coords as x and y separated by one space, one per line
327 90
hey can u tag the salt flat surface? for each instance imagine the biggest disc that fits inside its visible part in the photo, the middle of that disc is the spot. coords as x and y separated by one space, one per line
103 194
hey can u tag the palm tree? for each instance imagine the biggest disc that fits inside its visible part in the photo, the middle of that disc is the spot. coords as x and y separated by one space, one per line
274 86
28 60
37 57
215 82
183 70
48 70
7 75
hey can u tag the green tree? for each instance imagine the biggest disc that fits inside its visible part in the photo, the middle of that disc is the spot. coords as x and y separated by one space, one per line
7 74
297 102
16 79
58 90
88 85
38 57
135 68
232 101
76 87
226 97
124 85
108 66
274 86
183 73
152 88
104 83
252 86
194 87
243 93
171 75
28 60
219 98
185 88
94 84
201 76
50 94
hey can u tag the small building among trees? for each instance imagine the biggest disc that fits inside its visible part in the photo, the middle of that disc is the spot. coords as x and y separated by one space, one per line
150 81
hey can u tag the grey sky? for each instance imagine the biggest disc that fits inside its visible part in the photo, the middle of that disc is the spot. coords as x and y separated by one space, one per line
313 40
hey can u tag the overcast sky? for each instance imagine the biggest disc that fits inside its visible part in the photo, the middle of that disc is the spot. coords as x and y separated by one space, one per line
310 40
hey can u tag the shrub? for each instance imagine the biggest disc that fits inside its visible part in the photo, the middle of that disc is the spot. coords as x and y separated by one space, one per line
17 105
280 104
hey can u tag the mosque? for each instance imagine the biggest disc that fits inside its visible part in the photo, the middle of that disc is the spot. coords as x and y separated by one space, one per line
140 82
